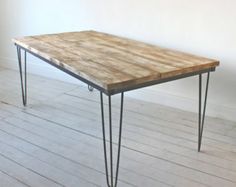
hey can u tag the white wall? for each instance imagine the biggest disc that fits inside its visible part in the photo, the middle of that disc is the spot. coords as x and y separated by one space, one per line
203 27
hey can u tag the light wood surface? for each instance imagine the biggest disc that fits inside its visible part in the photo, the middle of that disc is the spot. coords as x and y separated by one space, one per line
111 62
57 140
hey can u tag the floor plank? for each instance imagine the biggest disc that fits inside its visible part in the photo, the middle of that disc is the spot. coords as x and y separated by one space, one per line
56 140
8 181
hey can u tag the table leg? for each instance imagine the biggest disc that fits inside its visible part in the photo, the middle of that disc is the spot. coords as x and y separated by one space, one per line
201 116
111 180
23 80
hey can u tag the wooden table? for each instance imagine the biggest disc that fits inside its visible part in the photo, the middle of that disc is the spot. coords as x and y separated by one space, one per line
114 65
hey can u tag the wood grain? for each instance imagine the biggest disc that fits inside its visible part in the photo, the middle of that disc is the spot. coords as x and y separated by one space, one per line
112 62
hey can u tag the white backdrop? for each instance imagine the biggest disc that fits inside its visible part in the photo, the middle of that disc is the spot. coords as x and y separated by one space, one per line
203 27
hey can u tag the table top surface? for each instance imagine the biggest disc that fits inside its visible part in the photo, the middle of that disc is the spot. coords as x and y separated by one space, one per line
112 62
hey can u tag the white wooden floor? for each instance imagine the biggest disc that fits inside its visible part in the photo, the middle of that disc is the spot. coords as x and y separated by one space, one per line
56 140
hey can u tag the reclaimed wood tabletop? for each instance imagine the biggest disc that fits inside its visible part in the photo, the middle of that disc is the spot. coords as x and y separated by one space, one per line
112 62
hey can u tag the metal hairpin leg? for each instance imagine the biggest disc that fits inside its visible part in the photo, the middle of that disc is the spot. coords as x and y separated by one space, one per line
23 80
111 181
201 117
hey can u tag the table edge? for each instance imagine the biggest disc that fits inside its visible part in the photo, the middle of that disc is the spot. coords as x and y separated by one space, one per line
111 89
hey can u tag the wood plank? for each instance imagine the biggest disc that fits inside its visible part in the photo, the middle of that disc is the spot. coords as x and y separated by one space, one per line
21 173
143 108
185 135
159 143
69 134
150 117
82 156
60 162
139 146
43 168
112 62
8 181
84 139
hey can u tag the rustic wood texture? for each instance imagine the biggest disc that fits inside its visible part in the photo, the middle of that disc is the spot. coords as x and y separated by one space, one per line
111 62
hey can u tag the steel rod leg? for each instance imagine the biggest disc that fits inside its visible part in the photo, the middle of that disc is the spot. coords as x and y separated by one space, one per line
120 133
201 116
23 80
111 180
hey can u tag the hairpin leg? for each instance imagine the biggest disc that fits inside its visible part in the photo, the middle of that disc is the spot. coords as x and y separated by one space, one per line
23 80
111 181
201 117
